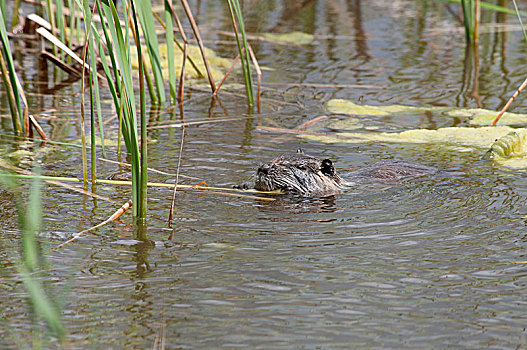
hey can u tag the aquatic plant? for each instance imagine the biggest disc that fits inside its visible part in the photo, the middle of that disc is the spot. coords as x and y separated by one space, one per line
471 13
127 101
125 44
40 301
235 10
10 79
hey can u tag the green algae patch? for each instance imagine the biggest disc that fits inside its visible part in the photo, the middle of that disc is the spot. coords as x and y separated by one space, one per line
298 38
218 65
468 137
510 150
509 146
339 106
476 116
486 117
346 124
19 155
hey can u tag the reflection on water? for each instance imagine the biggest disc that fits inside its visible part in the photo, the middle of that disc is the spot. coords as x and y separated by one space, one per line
429 262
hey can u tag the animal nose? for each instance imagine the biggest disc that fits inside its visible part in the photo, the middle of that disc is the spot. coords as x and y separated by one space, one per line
264 169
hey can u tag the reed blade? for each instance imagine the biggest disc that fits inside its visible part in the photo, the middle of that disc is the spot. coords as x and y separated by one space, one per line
29 219
146 18
125 91
169 34
140 205
10 80
468 8
235 10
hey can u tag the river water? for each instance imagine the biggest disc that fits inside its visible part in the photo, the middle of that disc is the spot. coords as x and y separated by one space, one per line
433 262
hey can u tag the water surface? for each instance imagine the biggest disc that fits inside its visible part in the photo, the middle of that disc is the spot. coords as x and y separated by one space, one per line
430 262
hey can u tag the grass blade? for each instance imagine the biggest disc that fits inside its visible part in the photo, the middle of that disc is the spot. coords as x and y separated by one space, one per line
30 223
41 303
29 219
146 18
126 93
468 18
143 178
169 34
234 8
10 80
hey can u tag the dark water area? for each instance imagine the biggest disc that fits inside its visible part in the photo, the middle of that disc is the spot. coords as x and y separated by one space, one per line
432 262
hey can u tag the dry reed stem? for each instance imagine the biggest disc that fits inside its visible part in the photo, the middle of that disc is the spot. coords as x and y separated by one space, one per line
149 169
61 64
198 188
37 126
226 75
87 37
55 182
516 94
200 42
25 112
55 41
311 122
115 216
171 214
477 17
10 92
181 87
198 122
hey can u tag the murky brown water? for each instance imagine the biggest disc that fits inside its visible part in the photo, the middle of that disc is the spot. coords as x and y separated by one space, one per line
428 263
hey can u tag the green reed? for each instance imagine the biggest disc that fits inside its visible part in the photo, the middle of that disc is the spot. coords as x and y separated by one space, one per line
111 39
52 22
169 35
519 15
41 302
146 18
59 5
3 11
14 20
235 9
94 90
469 18
123 93
9 78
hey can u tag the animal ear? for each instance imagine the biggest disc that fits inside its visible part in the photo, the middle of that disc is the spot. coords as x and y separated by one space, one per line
327 167
300 150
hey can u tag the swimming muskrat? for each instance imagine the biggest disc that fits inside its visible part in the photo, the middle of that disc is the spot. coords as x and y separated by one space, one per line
308 176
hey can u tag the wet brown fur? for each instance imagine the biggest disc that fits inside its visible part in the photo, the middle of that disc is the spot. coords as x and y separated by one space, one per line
308 176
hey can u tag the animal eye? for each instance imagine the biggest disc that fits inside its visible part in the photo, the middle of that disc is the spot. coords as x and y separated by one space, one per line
327 167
